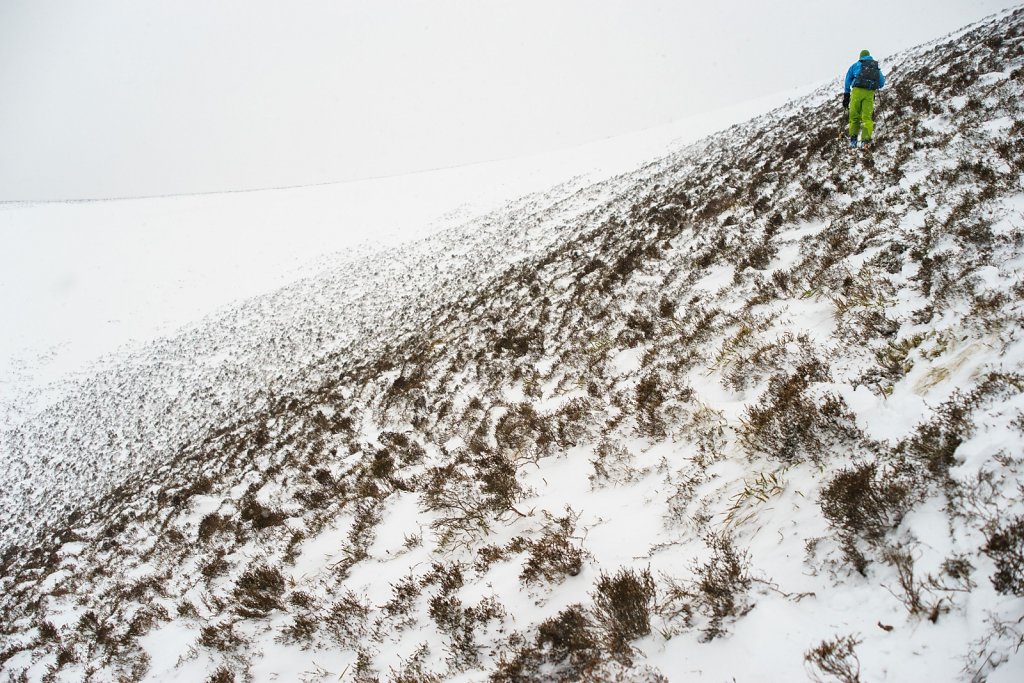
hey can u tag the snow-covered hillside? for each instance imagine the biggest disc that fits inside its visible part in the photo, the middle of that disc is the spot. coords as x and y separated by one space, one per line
87 281
753 411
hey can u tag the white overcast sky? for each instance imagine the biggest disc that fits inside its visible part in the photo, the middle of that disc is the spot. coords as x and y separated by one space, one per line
102 98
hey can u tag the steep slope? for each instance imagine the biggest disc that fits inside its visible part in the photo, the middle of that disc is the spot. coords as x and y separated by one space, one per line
122 423
753 411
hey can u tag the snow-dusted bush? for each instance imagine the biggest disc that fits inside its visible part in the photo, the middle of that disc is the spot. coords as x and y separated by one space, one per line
622 609
566 647
468 496
789 423
834 660
1005 545
865 502
556 554
258 591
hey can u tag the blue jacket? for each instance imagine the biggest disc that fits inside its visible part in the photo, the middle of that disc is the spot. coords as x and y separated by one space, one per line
854 71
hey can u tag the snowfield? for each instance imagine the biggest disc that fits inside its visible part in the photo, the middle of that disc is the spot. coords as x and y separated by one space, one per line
753 410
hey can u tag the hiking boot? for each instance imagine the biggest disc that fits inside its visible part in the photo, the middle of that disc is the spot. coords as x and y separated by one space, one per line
853 141
867 144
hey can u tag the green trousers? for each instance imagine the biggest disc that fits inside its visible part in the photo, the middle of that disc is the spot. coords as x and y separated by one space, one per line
862 106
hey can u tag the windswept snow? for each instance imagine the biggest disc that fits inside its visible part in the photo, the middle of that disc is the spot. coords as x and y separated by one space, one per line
85 282
750 411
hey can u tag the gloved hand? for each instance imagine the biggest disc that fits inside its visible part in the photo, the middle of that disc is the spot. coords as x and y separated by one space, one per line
846 100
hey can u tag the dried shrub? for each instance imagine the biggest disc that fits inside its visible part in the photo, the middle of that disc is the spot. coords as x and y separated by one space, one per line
404 594
650 396
743 368
413 669
216 566
323 477
758 256
640 328
521 666
706 428
834 660
571 422
864 502
301 630
491 553
613 464
916 595
718 592
448 577
498 482
520 343
556 553
569 639
302 599
788 423
213 524
566 648
382 465
145 619
622 607
722 584
219 636
65 655
258 591
667 307
894 360
935 442
361 534
99 629
364 672
614 672
221 675
523 432
1005 545
468 498
260 517
461 625
48 632
409 451
991 651
345 619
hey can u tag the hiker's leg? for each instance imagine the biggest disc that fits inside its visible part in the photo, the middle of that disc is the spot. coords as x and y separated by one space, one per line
866 111
854 114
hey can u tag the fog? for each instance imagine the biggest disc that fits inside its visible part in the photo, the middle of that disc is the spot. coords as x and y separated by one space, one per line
116 98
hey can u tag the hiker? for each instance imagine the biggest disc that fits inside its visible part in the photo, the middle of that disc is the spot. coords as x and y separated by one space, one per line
862 80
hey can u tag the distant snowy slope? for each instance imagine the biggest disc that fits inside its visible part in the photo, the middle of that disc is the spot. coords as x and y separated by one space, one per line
88 281
752 411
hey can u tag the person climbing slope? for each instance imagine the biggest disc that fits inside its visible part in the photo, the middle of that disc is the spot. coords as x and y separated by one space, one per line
863 78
